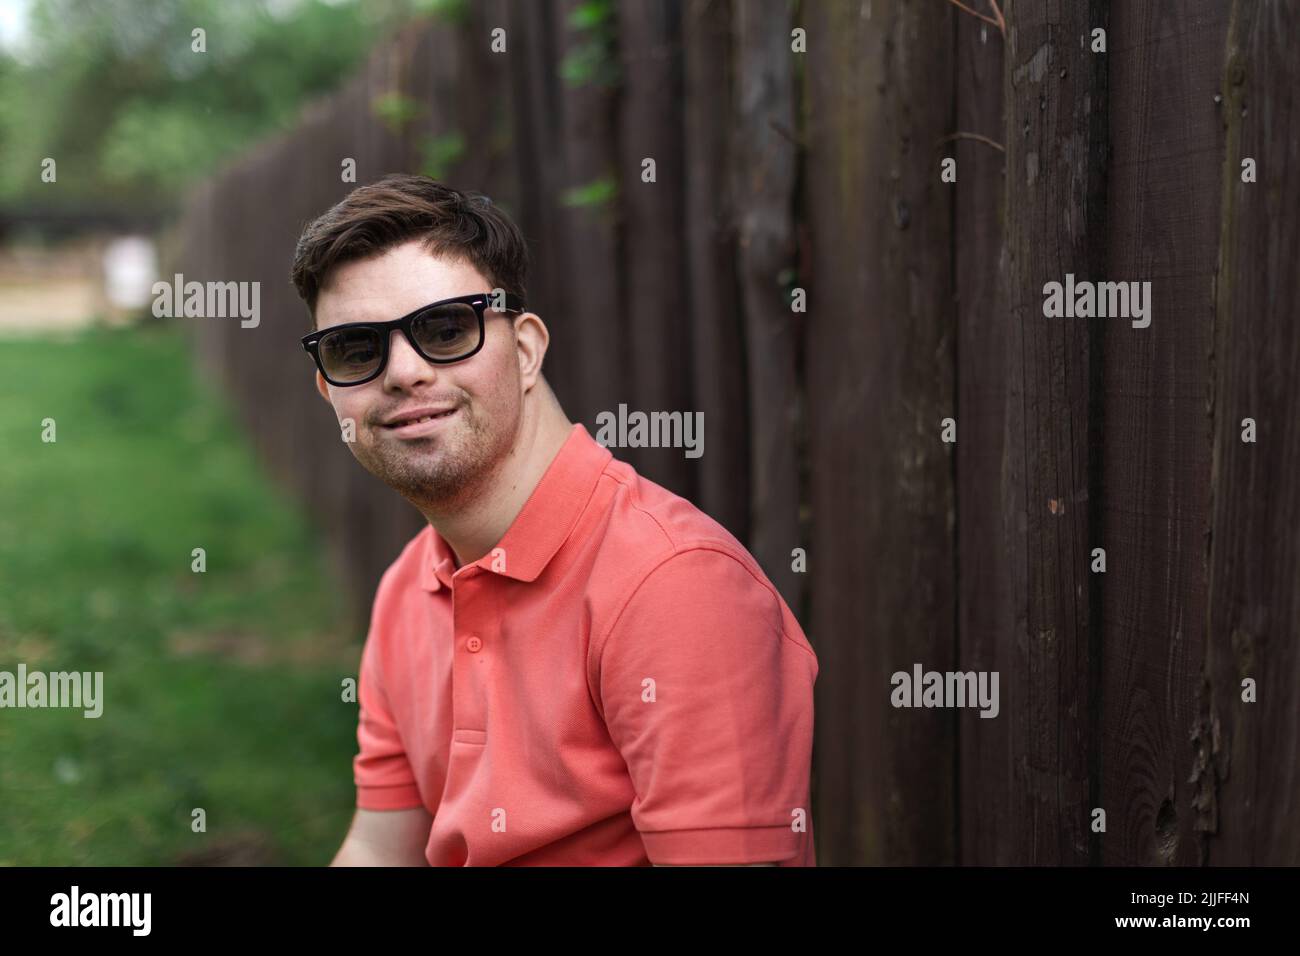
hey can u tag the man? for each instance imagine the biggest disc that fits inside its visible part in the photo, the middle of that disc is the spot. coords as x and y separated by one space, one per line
569 665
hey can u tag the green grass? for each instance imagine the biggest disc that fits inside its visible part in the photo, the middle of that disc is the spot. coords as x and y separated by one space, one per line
221 690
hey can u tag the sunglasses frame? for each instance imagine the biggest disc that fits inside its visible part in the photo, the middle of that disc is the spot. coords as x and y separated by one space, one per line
479 301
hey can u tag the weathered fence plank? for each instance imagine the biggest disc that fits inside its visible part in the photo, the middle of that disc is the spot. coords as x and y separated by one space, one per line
986 820
762 194
880 374
1055 138
1165 68
717 335
587 322
1247 772
657 313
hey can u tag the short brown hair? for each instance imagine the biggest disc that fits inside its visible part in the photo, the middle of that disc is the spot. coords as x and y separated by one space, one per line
401 207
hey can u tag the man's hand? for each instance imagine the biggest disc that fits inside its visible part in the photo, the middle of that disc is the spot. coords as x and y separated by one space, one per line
386 838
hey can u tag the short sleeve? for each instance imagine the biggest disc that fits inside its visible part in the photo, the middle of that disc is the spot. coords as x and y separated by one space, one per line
711 705
382 774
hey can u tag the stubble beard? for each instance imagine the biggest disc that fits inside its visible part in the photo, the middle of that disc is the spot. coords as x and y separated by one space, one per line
443 471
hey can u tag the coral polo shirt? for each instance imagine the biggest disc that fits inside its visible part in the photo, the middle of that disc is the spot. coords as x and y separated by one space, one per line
616 684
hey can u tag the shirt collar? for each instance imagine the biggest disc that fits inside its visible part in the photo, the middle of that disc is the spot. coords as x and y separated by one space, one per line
542 525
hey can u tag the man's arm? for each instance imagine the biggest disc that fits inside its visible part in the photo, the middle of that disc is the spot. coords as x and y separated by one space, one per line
386 838
710 704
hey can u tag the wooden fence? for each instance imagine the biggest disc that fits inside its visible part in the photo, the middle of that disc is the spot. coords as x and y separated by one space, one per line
821 171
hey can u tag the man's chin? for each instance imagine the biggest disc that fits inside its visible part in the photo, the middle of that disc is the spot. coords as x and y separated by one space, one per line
419 486
417 466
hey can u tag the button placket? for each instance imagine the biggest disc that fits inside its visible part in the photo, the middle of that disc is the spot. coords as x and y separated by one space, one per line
469 689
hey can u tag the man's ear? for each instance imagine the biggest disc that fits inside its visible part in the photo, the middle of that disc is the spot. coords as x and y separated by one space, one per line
531 340
322 386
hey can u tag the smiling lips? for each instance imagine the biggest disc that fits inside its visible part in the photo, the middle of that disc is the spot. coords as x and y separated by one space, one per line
419 423
417 415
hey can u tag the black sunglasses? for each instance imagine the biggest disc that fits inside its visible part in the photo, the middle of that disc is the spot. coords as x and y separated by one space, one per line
450 330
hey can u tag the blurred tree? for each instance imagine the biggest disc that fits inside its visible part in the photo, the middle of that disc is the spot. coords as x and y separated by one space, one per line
116 93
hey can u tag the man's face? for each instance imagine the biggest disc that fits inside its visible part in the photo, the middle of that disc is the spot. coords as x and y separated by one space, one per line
444 461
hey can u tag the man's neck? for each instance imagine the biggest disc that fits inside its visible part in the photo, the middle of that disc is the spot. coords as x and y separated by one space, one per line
476 527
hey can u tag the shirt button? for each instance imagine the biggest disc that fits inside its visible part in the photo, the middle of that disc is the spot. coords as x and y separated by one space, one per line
473 645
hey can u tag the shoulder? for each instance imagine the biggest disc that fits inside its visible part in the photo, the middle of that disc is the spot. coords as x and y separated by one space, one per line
679 569
649 526
644 525
702 573
661 550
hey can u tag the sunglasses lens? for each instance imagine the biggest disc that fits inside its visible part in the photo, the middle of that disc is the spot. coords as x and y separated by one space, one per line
350 355
446 331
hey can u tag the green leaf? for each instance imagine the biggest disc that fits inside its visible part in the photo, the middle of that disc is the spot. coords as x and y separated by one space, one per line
395 110
589 15
438 154
595 193
451 11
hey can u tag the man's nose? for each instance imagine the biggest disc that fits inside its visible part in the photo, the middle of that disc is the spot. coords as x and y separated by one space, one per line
406 367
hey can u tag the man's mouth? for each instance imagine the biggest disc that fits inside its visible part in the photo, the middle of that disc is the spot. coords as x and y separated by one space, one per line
417 422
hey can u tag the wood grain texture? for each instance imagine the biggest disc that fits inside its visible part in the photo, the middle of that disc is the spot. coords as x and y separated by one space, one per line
718 368
763 167
880 374
1055 139
657 312
1163 226
589 338
538 135
1247 775
985 612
